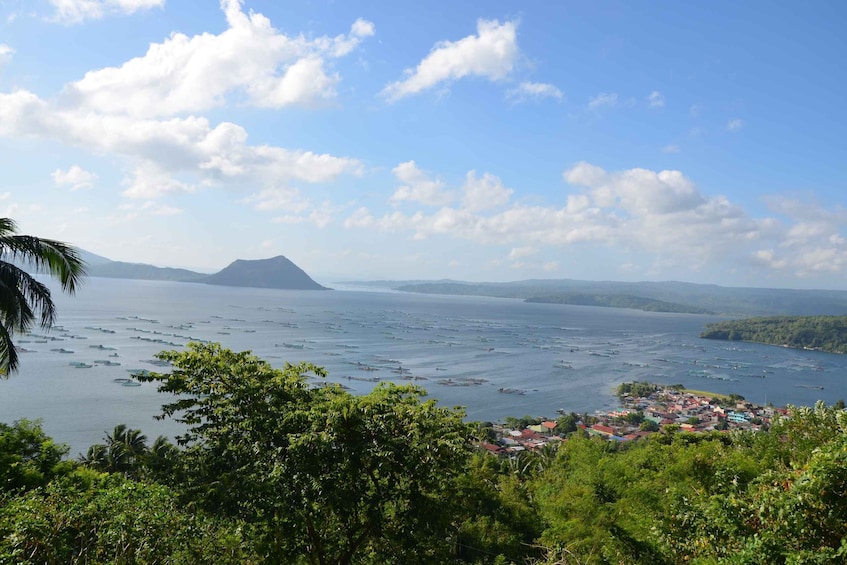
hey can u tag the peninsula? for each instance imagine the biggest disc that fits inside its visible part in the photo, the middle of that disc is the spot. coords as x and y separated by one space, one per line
819 333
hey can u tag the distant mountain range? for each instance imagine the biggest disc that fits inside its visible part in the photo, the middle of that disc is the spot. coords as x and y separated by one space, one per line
279 272
650 296
276 272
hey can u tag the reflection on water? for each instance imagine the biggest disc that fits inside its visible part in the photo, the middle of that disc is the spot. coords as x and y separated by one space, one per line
496 357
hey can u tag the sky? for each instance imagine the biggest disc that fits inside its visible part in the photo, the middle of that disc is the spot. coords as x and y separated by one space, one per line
477 140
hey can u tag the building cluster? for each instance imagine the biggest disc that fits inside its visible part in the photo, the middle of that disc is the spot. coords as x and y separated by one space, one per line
639 416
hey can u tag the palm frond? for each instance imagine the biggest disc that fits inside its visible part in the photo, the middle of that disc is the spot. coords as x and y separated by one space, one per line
22 296
56 258
8 353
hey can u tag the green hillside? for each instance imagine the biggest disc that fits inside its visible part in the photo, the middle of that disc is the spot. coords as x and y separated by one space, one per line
824 333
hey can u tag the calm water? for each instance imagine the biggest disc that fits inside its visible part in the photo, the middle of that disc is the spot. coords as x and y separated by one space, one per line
496 357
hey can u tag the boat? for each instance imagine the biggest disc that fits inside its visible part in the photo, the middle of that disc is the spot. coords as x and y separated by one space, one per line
123 381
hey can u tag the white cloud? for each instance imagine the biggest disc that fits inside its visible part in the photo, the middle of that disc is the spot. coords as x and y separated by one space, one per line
148 181
361 218
319 217
656 100
521 252
491 54
734 125
656 214
77 11
550 266
6 53
609 99
76 177
766 257
534 91
278 199
584 174
419 187
672 148
483 193
162 151
192 74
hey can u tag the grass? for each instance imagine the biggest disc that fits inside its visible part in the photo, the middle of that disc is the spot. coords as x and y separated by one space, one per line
724 397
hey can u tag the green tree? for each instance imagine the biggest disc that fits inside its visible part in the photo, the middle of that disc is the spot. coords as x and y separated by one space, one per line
325 475
28 457
124 451
23 298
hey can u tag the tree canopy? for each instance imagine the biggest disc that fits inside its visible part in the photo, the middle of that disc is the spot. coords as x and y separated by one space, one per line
826 333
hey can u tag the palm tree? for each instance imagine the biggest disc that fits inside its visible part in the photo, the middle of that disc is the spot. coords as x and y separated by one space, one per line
23 298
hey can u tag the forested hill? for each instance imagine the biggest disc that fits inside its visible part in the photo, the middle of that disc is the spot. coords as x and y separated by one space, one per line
825 333
618 301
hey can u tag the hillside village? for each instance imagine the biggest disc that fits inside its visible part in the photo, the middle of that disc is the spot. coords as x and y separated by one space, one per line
645 409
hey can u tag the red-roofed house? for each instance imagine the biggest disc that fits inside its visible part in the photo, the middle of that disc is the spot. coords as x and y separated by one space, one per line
605 430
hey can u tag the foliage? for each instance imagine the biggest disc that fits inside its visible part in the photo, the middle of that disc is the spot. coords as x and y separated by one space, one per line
91 518
125 451
323 473
23 298
273 470
28 457
636 388
618 301
827 333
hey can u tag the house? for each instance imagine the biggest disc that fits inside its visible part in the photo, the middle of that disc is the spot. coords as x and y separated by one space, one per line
604 430
550 426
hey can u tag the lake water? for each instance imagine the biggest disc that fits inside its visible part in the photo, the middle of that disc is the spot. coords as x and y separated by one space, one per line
496 357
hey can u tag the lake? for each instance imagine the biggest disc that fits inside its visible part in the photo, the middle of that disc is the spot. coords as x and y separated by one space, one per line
495 357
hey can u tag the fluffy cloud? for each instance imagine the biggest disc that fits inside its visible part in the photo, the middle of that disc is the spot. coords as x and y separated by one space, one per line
656 100
6 53
534 91
491 54
484 193
76 177
165 150
192 74
419 187
319 217
77 11
660 215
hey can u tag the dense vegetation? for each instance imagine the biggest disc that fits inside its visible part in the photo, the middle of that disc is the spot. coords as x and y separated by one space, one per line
275 470
826 333
618 301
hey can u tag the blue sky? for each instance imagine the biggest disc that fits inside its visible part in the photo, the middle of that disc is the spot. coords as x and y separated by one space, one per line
473 140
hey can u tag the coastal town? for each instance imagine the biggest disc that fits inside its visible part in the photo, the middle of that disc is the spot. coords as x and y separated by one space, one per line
645 409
